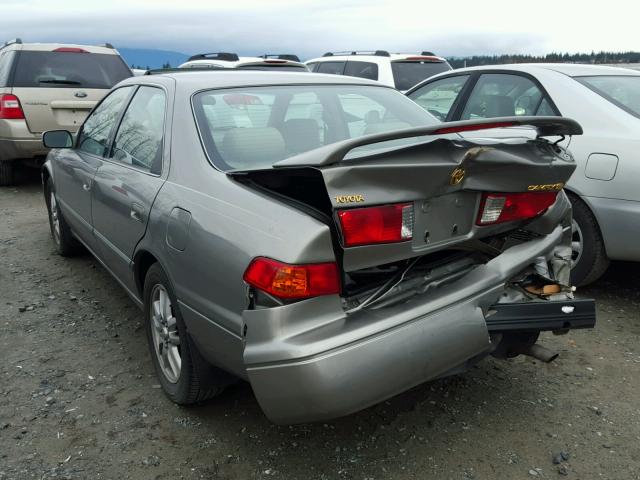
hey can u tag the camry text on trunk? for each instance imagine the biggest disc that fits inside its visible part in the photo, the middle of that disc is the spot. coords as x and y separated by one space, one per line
321 237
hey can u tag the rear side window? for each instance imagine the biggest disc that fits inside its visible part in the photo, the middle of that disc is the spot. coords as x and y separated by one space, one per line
623 91
334 68
69 70
362 69
408 74
439 97
505 95
97 128
6 62
139 139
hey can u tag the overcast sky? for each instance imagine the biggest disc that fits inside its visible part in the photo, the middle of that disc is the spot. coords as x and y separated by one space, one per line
310 28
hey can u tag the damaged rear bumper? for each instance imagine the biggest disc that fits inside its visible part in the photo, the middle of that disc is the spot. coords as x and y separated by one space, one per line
309 361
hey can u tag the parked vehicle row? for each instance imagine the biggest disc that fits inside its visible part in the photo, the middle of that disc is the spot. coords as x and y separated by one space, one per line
45 87
322 237
605 101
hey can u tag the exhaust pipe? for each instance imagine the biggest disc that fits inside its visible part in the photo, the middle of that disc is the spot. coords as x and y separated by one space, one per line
538 352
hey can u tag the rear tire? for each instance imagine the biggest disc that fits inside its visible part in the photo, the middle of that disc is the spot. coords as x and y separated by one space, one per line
592 259
6 173
185 377
65 242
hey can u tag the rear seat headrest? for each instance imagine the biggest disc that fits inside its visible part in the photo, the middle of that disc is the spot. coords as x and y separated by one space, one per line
251 147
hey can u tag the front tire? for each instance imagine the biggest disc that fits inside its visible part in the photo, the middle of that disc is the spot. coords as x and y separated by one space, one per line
184 375
66 244
589 256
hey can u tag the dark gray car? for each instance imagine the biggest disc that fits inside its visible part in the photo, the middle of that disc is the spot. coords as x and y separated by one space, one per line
321 237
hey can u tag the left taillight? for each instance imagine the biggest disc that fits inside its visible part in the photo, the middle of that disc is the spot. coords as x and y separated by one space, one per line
288 281
380 224
508 207
10 108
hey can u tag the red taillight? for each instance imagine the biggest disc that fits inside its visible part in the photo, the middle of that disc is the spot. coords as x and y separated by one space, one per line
507 207
293 281
71 50
370 225
10 108
470 128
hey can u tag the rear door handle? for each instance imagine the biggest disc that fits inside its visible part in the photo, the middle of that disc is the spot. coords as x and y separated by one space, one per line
137 212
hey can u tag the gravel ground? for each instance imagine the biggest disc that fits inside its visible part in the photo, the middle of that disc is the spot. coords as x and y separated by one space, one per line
79 399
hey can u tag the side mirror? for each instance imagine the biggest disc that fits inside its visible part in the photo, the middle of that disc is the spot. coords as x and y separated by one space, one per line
57 139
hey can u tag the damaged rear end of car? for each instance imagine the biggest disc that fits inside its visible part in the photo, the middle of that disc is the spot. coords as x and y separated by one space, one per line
446 250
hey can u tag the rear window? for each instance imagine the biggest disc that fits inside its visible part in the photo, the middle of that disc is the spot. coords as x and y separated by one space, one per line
408 74
622 91
69 70
362 70
275 66
253 128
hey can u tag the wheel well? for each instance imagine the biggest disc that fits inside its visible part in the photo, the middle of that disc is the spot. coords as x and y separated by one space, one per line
142 263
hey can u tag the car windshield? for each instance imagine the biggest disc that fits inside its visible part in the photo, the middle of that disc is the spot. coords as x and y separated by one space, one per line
408 74
623 91
69 70
253 128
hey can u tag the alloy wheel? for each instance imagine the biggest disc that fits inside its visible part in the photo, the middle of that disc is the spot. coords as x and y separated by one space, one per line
166 338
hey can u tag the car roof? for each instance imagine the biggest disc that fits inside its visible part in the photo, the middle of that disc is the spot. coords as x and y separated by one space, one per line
374 58
49 47
229 78
570 69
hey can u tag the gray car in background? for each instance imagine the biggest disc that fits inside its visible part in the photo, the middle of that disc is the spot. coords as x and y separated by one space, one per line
606 102
321 237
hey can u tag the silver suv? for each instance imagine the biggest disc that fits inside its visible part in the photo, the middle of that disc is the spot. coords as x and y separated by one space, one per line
46 86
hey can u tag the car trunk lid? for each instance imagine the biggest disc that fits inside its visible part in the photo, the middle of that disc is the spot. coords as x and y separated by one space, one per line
441 180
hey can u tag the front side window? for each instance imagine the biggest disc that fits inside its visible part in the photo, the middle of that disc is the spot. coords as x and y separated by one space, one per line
333 68
361 69
69 70
408 74
139 139
623 91
439 97
505 95
253 128
95 133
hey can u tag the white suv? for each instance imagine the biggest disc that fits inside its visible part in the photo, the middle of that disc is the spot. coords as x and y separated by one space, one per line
282 61
398 70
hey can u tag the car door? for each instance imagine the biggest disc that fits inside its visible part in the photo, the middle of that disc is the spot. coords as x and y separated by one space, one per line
74 169
505 94
440 97
127 182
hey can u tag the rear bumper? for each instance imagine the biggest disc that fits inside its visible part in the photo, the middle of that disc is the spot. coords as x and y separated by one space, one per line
308 361
17 142
542 316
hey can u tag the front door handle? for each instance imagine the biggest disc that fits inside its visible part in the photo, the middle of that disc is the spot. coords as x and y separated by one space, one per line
137 212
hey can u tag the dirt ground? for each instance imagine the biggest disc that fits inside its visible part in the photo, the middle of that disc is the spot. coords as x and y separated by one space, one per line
79 399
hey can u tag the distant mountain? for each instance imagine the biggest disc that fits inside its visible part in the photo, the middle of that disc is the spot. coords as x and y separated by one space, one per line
148 57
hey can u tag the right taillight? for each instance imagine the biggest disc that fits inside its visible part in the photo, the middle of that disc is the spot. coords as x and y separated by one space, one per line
508 207
10 108
381 224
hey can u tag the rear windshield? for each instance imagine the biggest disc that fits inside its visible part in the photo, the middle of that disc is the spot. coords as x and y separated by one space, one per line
253 128
623 91
69 70
408 74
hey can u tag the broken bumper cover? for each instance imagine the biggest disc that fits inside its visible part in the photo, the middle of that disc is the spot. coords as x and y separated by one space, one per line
556 316
308 361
